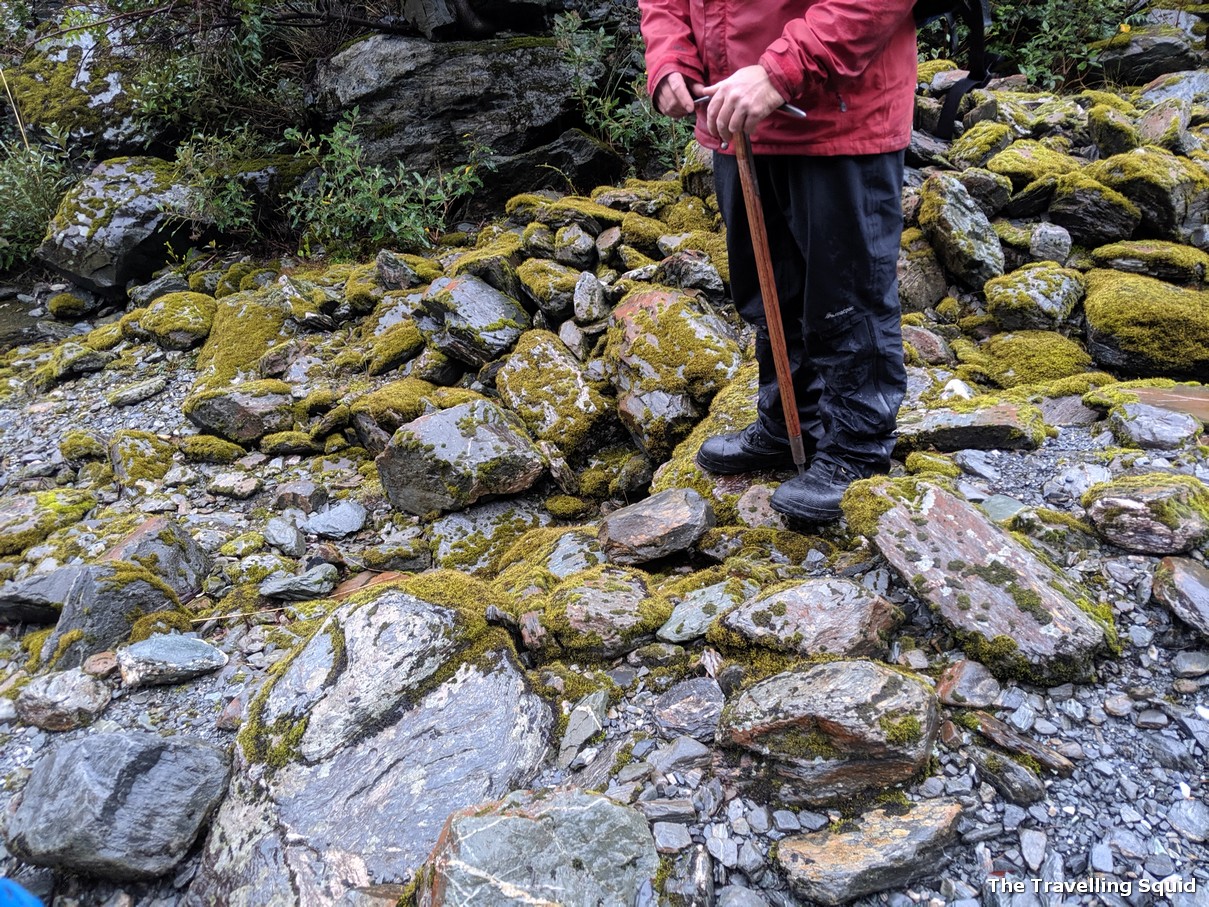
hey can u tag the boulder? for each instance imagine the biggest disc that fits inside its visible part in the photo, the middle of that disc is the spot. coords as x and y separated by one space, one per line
140 456
27 519
1156 513
569 847
416 100
835 731
1182 585
667 356
165 659
544 384
880 850
179 321
1025 161
1172 262
478 323
1092 212
117 805
1152 428
1171 192
997 426
921 279
1039 296
63 700
831 616
1142 326
473 538
163 546
452 458
114 226
959 231
697 610
1144 54
243 413
603 612
376 718
663 524
1011 611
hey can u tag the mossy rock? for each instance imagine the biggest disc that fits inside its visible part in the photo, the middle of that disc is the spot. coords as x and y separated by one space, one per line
362 291
398 344
1155 513
979 144
1038 296
78 446
399 402
602 612
245 327
1027 160
140 456
1112 131
494 261
1171 192
1090 211
210 449
1145 327
179 321
1168 261
71 306
1028 357
546 386
550 285
26 520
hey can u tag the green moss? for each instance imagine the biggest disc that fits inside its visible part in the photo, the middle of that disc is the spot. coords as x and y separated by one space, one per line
125 573
394 346
1180 497
563 211
67 306
210 449
902 730
141 456
930 69
289 442
567 507
32 644
160 622
867 499
924 462
179 321
1163 329
52 510
362 290
1025 357
1165 260
979 143
78 446
1026 160
245 327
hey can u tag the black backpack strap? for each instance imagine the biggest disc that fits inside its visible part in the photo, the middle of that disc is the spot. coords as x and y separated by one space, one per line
977 16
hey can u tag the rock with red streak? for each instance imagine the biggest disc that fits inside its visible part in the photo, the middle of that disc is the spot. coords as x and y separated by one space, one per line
838 730
881 850
817 617
663 524
1156 513
1182 584
968 685
1012 611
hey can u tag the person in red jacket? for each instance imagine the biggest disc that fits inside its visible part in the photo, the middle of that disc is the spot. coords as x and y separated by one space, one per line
831 190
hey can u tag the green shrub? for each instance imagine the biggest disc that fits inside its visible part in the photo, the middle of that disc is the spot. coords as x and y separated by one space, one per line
33 179
1047 40
353 207
610 88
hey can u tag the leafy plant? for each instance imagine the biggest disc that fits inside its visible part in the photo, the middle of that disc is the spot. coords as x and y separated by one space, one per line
1046 40
353 206
207 166
33 180
609 84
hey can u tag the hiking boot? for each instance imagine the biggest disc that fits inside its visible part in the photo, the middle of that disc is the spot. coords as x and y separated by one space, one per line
815 496
744 451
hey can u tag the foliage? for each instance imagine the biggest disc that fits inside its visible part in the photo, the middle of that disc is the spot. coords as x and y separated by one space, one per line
353 206
207 166
610 88
1047 40
33 179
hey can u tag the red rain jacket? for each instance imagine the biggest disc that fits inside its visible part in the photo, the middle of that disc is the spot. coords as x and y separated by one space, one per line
850 64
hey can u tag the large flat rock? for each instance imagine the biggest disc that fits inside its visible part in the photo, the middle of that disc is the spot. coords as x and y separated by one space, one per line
1012 611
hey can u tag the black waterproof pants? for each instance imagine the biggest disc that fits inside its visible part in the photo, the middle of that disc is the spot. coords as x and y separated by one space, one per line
834 225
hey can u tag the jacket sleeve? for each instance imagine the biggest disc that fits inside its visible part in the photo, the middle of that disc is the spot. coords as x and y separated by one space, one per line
832 40
670 47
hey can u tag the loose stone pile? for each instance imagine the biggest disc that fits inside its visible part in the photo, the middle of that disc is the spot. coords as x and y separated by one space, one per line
355 583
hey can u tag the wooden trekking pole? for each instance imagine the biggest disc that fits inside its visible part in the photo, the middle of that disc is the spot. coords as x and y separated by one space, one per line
768 290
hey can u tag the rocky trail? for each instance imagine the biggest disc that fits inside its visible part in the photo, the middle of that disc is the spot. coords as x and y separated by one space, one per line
396 581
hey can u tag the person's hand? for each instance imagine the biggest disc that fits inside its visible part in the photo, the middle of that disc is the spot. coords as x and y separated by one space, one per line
674 96
740 102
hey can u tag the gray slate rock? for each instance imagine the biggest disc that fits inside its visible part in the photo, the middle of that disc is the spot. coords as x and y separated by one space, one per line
885 851
449 459
166 545
698 609
1152 428
165 659
1152 514
585 722
1000 426
469 539
1147 53
817 617
242 413
120 806
115 225
1183 585
568 847
478 322
663 524
338 521
835 731
285 536
959 231
1015 613
357 689
968 685
62 701
691 708
1014 781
